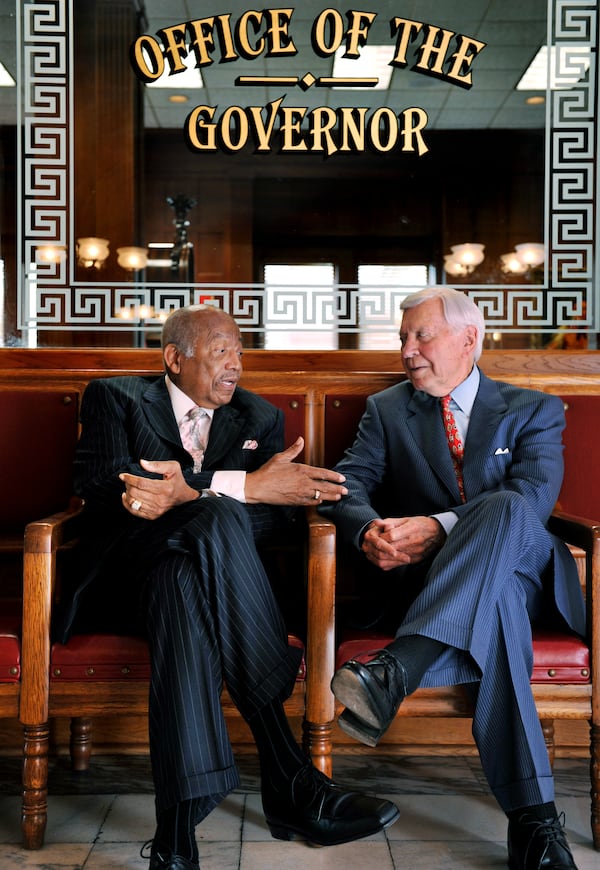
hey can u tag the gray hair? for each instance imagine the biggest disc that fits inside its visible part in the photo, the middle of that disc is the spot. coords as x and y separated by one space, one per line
182 328
459 310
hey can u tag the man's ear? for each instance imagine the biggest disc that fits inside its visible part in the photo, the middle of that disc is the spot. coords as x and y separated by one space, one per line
171 358
471 337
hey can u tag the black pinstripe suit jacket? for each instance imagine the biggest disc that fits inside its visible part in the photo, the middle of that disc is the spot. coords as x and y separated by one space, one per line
400 465
125 419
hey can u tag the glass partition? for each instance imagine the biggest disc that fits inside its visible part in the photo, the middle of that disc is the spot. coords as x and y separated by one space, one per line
310 134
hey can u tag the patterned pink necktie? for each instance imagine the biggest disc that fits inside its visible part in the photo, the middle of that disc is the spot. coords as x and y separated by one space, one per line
192 435
454 443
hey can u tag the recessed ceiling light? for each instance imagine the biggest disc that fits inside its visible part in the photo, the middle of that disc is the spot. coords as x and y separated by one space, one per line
6 80
563 67
374 62
188 79
178 98
535 101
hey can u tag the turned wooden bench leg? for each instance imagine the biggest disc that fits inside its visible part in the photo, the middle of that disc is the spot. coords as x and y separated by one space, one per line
35 785
80 745
548 732
317 744
595 781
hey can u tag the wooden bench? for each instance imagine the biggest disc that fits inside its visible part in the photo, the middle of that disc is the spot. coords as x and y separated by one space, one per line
323 394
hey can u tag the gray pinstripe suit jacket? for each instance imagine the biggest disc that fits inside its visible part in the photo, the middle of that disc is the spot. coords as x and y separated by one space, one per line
399 465
125 419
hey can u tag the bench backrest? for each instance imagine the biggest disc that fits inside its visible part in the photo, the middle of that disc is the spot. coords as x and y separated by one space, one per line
38 431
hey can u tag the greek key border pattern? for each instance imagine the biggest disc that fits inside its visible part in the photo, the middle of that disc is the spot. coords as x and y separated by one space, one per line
45 141
48 299
571 179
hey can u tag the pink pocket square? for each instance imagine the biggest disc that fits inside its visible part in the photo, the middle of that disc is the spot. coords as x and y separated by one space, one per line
249 445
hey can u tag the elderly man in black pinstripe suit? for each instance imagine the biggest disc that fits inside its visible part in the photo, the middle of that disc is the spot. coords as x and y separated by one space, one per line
172 543
462 557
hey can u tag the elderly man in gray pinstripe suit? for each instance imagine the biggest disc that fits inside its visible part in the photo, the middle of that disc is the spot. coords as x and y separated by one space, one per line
461 555
171 543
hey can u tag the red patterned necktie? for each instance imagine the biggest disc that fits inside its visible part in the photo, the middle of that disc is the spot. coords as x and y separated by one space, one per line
454 443
193 438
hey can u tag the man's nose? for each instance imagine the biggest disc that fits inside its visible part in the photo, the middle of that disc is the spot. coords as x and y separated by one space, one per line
409 348
233 361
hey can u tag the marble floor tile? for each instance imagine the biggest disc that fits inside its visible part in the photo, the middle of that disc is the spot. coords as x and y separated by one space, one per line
57 856
296 855
129 817
439 817
448 820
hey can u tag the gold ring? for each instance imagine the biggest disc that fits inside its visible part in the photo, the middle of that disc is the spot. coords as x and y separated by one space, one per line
317 494
136 505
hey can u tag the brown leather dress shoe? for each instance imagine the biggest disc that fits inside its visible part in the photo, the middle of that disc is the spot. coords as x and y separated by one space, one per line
538 844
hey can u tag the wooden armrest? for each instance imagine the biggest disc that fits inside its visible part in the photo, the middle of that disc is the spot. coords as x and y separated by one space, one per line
576 530
43 539
584 533
50 533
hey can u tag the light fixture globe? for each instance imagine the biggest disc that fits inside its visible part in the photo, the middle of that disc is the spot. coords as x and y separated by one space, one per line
531 254
92 251
132 258
451 267
512 265
469 255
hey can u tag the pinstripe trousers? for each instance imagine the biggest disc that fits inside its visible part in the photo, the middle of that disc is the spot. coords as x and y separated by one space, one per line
480 595
211 617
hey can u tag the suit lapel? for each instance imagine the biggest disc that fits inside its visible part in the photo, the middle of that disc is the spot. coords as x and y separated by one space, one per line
224 431
425 422
488 410
159 412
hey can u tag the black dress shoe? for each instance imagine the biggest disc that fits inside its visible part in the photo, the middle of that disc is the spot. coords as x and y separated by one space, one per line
316 809
538 844
371 693
162 858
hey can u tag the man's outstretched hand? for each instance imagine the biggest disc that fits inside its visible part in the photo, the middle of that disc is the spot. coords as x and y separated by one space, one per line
283 481
279 481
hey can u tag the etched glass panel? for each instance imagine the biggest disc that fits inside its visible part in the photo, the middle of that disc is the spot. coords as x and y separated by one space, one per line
551 299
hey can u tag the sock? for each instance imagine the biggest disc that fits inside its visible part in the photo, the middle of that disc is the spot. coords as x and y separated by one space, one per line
415 653
540 811
279 754
176 826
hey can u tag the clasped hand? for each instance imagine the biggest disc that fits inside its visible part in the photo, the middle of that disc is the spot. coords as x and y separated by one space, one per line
390 543
280 481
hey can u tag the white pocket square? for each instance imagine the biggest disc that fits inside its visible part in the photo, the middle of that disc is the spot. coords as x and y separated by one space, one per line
501 450
249 445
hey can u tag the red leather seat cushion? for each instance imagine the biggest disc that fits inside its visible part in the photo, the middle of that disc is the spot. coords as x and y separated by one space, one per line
112 657
558 657
10 649
100 657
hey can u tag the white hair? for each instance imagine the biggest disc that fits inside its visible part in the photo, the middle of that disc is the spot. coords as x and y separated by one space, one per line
459 310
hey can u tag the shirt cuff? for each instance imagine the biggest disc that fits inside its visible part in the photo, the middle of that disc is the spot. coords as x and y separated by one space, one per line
231 483
447 520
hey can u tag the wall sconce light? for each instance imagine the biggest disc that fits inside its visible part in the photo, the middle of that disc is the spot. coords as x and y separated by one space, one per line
512 265
531 254
468 255
131 258
92 252
50 254
451 267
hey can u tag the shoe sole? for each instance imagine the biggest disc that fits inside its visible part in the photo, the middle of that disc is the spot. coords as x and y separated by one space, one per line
349 691
283 832
359 730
